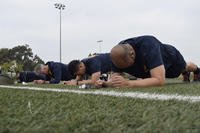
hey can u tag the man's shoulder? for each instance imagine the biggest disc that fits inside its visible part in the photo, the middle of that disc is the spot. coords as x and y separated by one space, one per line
51 63
89 60
53 66
138 39
103 55
94 60
54 63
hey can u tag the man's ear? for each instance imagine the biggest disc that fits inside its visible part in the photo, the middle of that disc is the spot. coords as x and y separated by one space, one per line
81 64
47 68
132 54
131 51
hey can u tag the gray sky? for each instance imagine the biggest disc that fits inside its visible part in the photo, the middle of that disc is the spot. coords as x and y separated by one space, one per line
36 22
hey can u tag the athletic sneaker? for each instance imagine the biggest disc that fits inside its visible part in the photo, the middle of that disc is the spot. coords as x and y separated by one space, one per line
186 77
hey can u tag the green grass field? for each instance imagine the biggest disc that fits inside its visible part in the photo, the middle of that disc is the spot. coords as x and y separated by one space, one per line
42 111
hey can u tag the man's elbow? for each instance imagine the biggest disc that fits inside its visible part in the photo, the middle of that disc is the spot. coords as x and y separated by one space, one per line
161 82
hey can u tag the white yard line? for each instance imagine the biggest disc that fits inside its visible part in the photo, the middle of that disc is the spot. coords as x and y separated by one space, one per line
136 95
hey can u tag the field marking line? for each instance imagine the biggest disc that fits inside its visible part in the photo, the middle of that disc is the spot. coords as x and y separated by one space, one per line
136 95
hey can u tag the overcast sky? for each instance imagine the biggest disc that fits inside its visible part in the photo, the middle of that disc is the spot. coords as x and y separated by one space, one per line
84 22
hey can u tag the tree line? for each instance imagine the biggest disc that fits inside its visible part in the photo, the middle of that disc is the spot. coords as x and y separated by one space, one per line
19 58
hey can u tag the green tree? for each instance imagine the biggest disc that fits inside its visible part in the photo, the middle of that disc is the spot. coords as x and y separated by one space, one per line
4 55
11 67
22 55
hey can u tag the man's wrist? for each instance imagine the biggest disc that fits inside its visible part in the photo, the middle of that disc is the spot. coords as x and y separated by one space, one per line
106 84
129 84
46 82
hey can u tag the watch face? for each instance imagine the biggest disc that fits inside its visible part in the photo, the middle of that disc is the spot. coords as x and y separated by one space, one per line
104 77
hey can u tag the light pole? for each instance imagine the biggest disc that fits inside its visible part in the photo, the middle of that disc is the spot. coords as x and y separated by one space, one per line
60 7
99 42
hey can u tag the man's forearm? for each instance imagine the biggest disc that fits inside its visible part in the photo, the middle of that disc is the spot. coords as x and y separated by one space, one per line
94 78
46 82
85 82
148 82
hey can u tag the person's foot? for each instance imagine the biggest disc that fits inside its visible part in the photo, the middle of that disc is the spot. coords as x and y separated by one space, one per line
186 77
196 77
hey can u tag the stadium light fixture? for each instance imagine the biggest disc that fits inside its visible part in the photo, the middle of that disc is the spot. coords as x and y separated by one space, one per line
60 7
100 42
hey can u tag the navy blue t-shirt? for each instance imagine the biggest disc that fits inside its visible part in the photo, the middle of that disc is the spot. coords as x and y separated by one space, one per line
58 72
151 53
98 63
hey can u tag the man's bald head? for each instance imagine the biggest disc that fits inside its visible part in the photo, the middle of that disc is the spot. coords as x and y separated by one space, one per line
123 55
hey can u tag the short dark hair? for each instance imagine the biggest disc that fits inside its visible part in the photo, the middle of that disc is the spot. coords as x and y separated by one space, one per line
73 66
